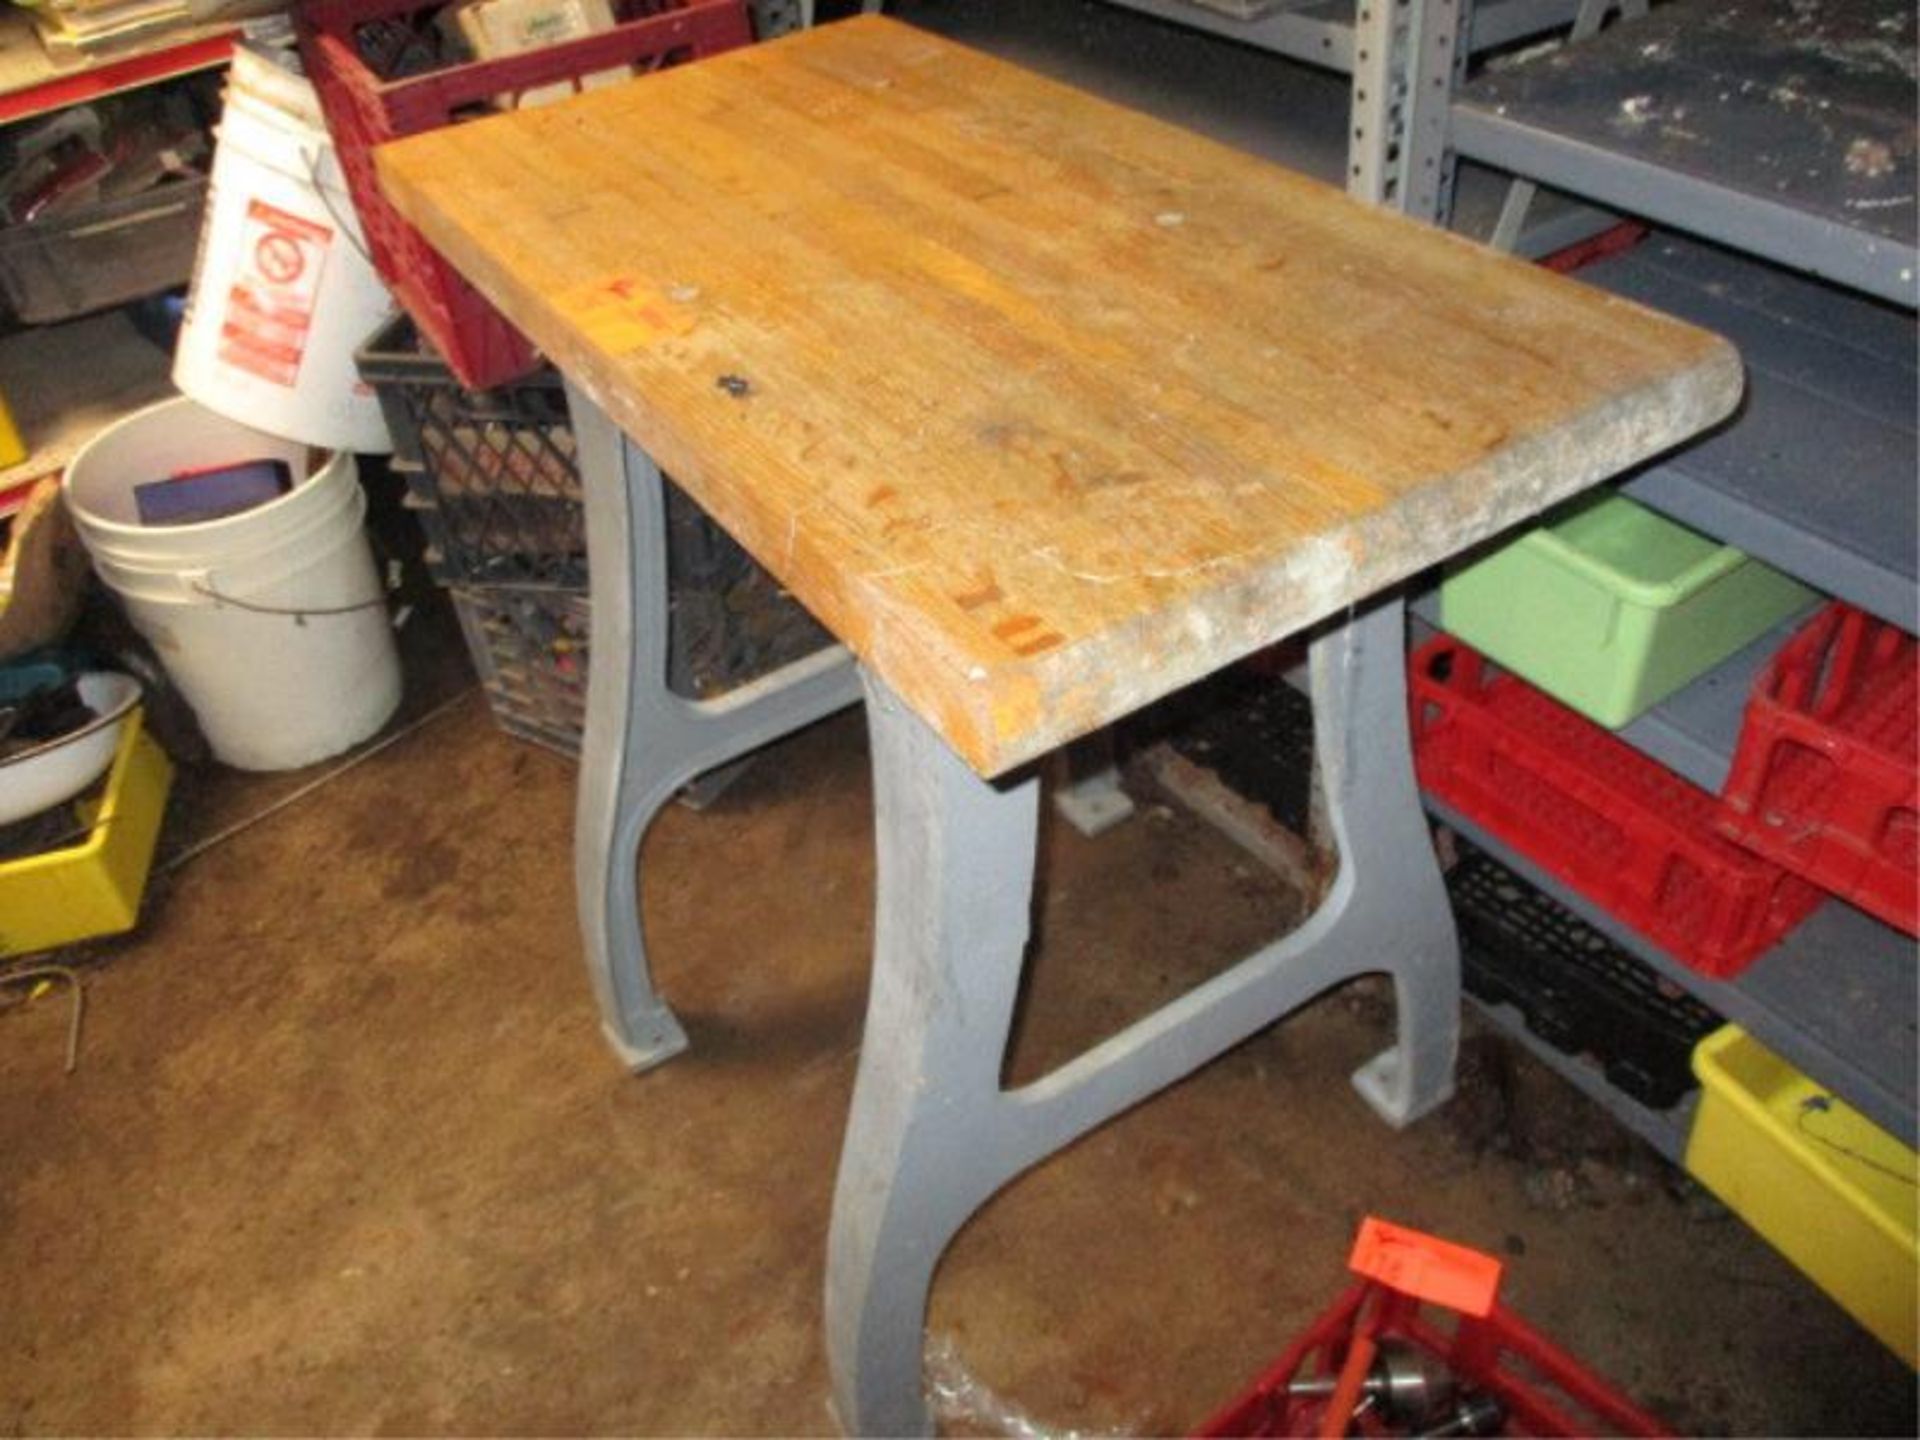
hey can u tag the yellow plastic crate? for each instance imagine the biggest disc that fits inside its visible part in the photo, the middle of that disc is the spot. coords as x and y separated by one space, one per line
94 887
1828 1189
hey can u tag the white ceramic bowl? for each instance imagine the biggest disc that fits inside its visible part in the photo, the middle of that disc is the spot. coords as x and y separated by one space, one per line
59 769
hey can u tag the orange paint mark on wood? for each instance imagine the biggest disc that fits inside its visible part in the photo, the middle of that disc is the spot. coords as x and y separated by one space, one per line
1038 643
1014 625
985 592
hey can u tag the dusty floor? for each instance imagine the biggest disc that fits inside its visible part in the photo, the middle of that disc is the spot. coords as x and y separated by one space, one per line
346 1154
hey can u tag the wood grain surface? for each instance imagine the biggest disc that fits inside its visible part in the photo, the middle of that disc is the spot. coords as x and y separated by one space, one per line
1045 407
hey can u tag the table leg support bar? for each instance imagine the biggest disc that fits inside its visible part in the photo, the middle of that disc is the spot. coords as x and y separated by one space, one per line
933 1134
644 742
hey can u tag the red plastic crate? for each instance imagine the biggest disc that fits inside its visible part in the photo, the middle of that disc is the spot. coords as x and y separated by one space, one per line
1544 1389
364 109
1621 829
1825 780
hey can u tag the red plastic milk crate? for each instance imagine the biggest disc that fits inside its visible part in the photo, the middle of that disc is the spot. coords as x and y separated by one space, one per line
1618 827
1541 1388
1825 780
358 53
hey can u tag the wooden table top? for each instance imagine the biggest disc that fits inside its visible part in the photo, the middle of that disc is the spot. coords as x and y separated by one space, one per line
1044 407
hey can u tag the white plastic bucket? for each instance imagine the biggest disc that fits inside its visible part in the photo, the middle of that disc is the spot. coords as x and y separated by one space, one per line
283 292
271 622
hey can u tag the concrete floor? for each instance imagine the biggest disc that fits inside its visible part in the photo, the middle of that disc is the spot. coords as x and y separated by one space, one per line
345 1152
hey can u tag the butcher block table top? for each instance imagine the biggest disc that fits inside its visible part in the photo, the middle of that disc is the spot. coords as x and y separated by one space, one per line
1044 407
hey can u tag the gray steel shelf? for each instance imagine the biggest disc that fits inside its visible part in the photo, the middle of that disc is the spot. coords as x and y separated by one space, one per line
1320 32
1817 474
1665 1130
1784 130
1837 998
1693 731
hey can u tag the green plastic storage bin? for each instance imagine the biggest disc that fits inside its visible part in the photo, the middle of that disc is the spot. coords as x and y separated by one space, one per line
1611 608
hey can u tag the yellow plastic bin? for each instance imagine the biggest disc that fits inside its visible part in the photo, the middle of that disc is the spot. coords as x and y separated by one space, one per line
1610 608
1828 1189
93 887
12 448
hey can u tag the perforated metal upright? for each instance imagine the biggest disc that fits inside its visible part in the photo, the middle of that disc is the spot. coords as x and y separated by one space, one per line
1407 57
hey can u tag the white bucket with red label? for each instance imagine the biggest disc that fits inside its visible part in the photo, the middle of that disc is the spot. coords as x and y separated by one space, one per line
283 292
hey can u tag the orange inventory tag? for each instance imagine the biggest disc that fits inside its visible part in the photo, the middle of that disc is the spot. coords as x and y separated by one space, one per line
622 313
1426 1267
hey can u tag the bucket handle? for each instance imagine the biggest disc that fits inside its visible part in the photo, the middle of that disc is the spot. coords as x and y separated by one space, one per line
136 580
202 586
167 585
299 613
348 225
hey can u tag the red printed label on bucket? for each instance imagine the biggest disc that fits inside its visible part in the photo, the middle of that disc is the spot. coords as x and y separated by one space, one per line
270 305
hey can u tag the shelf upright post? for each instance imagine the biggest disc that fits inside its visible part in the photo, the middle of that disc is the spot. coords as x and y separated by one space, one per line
1407 57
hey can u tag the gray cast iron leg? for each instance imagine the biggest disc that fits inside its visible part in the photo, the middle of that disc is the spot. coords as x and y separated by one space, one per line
644 742
932 1133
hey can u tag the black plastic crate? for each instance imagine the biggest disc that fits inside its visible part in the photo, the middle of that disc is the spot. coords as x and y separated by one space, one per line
494 475
1577 990
1254 731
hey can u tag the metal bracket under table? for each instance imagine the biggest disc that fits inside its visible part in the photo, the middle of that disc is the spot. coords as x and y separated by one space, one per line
933 1134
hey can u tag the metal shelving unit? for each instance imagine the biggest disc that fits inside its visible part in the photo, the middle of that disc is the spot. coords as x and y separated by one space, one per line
68 380
1782 130
1816 476
1837 998
1785 131
1320 32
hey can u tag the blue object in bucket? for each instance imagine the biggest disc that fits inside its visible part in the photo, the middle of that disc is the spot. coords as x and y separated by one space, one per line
199 495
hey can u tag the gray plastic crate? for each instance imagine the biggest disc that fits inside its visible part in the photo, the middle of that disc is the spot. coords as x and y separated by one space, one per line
102 254
530 648
531 645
